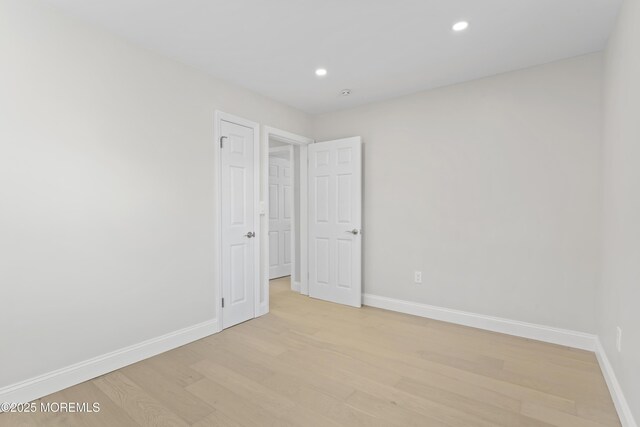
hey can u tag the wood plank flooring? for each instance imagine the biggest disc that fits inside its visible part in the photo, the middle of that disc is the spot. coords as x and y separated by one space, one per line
313 363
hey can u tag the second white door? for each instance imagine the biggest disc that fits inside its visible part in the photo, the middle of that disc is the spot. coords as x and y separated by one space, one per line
280 215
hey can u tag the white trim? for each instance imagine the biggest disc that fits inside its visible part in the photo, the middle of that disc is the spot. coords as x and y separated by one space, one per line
301 141
264 308
620 402
218 117
304 220
51 382
287 137
295 286
279 149
533 331
294 200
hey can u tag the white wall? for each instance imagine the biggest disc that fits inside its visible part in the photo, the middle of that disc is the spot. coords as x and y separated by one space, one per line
107 204
620 291
491 188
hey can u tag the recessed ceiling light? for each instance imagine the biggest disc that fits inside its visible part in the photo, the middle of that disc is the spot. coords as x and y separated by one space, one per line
321 72
345 92
460 26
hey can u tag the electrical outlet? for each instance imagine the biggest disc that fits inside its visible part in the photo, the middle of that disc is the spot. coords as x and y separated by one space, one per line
619 338
417 276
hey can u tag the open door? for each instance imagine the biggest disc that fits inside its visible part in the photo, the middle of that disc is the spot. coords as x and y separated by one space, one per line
335 220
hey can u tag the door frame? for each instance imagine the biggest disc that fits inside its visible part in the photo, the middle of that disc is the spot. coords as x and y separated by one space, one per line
220 116
301 141
280 149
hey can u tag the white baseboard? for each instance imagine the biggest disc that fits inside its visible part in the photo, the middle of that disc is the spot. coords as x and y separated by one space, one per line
295 286
42 385
533 331
622 407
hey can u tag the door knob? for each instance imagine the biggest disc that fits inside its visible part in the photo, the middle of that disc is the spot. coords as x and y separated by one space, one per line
250 234
355 231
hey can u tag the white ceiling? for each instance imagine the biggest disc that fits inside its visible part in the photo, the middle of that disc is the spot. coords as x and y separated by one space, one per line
377 48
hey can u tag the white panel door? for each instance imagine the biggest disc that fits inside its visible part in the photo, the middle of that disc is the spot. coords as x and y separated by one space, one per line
335 206
237 223
280 216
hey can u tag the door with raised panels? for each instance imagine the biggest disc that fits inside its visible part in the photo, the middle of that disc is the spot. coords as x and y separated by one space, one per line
238 226
335 215
280 215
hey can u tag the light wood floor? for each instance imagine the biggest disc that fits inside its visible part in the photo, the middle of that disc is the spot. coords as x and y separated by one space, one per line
312 363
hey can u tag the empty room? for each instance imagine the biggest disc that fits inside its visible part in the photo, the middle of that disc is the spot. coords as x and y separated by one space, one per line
320 213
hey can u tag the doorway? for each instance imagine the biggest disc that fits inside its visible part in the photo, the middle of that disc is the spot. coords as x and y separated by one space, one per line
284 247
327 228
282 207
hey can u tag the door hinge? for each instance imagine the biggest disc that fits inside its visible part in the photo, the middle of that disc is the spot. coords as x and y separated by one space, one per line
222 138
222 302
